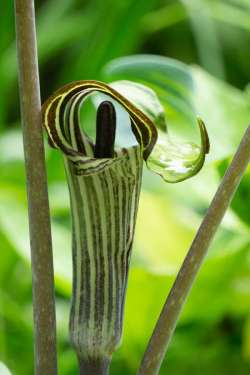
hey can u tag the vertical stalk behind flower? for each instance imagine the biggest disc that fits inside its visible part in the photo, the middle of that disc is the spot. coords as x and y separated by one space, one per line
167 321
39 218
104 208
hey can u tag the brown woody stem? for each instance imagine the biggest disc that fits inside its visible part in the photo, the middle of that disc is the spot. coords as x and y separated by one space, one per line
167 321
38 206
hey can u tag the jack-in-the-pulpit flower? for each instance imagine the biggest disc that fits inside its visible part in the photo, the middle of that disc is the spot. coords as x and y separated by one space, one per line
104 196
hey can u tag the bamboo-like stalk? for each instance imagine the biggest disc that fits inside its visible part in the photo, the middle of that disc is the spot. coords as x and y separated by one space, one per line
166 324
39 218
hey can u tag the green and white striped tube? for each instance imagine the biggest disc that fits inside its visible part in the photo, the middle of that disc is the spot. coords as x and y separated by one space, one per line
104 208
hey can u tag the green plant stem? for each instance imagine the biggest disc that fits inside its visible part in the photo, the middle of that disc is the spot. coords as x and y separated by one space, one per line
167 321
94 366
38 206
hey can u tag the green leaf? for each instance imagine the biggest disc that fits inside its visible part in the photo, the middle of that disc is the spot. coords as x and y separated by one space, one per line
170 79
145 99
225 110
184 91
18 219
177 162
236 15
121 32
173 161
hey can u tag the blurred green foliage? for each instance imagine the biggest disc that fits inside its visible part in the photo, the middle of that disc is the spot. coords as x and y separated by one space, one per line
76 40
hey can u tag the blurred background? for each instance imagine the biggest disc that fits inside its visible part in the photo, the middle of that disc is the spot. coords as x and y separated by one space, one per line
76 40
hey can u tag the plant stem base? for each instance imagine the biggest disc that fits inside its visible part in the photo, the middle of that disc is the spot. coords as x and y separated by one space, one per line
94 366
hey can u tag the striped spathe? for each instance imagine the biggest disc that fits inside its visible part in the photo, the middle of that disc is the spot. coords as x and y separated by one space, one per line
104 208
104 196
